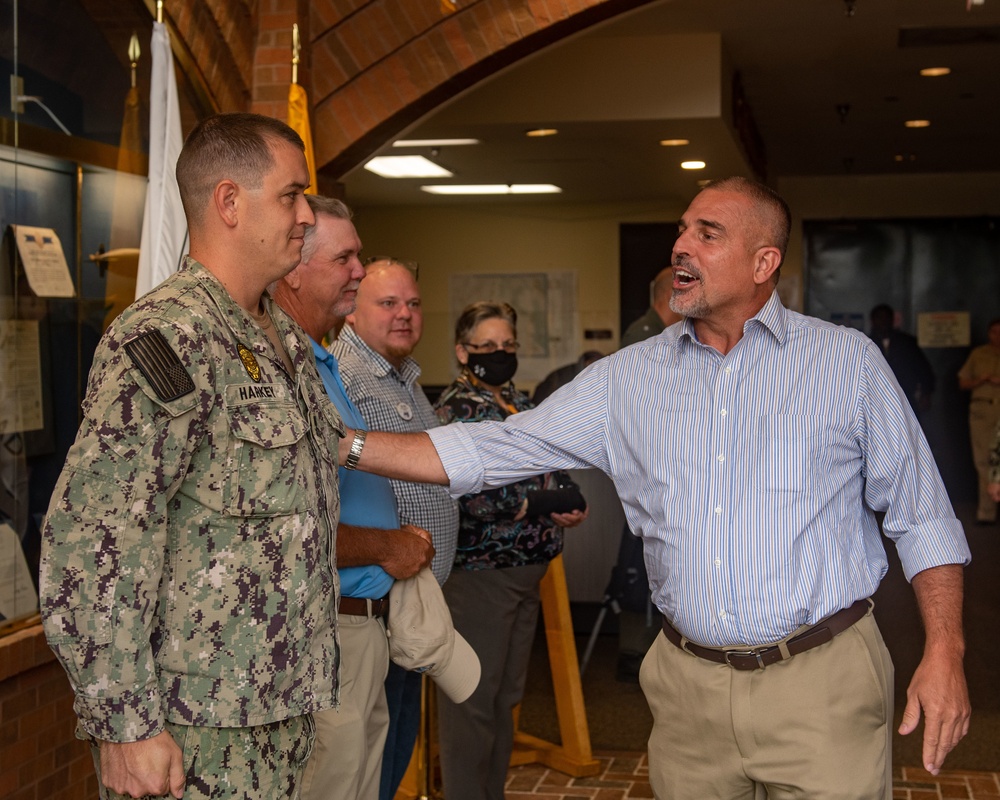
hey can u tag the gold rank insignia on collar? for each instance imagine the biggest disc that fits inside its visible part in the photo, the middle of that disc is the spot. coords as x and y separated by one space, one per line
249 362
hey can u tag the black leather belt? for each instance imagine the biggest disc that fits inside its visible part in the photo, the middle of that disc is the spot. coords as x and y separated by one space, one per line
364 606
760 657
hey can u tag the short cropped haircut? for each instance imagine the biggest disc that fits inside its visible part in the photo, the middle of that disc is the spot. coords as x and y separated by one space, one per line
481 311
236 147
774 218
329 206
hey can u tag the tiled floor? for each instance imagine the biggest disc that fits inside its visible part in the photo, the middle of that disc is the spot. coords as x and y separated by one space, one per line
625 775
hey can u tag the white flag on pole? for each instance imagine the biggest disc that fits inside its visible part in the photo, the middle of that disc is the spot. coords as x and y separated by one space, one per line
164 228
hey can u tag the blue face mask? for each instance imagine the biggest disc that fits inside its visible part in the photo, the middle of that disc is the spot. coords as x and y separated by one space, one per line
494 368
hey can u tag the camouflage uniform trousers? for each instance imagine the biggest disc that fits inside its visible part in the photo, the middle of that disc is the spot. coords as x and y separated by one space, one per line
263 762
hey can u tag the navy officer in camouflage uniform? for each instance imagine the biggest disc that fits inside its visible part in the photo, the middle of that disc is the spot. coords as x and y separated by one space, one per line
187 575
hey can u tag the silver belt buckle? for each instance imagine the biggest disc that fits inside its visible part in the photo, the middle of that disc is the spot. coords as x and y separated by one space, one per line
752 652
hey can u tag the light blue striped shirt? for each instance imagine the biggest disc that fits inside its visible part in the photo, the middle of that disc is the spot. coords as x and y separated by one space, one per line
752 478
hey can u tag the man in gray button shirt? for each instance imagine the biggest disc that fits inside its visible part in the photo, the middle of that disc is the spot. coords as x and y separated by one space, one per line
380 377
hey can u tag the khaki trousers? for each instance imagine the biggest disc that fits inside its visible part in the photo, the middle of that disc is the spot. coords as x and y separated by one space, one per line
983 418
346 762
816 726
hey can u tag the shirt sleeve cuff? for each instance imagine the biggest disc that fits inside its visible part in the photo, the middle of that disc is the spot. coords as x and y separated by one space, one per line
129 718
933 544
459 457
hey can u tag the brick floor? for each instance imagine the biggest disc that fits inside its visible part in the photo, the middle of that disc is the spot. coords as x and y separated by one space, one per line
625 776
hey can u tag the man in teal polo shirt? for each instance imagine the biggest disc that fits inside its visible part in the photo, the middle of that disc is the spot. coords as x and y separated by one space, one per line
372 549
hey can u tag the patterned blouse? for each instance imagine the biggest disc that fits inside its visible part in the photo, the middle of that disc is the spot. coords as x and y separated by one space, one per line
488 536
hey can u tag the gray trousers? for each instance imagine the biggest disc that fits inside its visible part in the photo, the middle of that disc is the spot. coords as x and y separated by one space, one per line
496 610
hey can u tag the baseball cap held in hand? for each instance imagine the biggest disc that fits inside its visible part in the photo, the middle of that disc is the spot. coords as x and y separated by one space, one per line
422 637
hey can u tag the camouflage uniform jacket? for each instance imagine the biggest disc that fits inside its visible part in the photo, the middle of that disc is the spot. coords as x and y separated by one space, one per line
187 554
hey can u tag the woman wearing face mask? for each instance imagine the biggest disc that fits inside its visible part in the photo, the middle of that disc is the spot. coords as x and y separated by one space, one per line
506 539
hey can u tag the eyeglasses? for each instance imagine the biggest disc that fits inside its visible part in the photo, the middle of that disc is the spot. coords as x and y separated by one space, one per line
412 266
492 347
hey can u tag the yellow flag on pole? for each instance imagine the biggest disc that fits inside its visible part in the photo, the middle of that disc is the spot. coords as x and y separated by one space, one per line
298 120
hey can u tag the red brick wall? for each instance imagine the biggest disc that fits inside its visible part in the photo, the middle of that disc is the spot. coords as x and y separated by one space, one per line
40 757
372 67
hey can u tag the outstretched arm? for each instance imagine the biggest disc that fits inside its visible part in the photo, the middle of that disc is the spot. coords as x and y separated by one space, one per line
405 456
938 686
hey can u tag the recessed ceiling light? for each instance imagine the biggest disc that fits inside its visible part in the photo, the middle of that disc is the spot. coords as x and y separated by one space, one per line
674 142
917 123
433 142
934 72
493 188
692 165
542 132
406 167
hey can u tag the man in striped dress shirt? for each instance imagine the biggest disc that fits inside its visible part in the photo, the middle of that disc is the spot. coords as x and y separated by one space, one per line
751 447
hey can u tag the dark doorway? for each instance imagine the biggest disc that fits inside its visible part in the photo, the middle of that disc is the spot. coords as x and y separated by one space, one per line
916 266
644 249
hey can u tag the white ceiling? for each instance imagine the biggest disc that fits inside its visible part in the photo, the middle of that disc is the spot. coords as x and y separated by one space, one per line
665 71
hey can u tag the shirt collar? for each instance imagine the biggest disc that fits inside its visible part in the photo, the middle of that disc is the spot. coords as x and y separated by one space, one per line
773 317
380 366
322 355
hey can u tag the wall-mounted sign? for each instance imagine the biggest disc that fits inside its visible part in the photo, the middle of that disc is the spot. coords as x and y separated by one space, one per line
20 377
44 262
943 329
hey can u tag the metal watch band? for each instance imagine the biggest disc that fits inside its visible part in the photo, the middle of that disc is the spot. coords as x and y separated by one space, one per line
356 447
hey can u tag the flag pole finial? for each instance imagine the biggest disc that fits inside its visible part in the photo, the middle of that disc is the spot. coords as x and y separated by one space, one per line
296 47
133 54
159 11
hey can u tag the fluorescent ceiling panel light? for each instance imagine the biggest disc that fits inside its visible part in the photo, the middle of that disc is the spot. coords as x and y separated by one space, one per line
493 188
934 72
917 123
674 142
433 142
536 132
692 165
406 167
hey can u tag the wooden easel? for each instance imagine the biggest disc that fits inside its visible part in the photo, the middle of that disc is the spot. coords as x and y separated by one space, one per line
572 757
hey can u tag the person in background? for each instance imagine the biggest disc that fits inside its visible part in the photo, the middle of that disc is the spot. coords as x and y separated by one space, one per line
380 376
907 360
752 448
659 315
994 484
563 375
506 538
980 375
187 572
373 549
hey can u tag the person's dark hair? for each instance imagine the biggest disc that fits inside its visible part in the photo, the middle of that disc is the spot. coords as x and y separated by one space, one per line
883 308
227 146
331 207
477 312
773 215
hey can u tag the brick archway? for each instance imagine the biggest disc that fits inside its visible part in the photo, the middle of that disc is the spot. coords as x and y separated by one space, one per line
375 66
